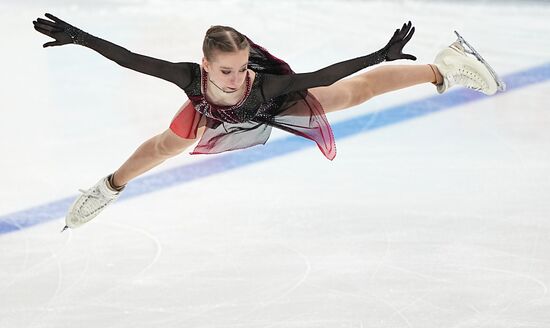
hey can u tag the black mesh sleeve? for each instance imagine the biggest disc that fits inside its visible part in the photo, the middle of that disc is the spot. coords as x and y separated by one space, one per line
177 73
275 85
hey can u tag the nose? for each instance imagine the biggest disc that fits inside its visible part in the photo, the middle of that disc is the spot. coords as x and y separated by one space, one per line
233 80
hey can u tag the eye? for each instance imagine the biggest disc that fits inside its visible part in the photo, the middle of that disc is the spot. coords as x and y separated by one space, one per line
226 72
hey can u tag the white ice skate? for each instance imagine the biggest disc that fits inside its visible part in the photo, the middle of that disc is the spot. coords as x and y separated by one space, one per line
459 68
88 205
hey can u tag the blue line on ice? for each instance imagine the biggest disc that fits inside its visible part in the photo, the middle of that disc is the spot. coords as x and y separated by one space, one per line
236 159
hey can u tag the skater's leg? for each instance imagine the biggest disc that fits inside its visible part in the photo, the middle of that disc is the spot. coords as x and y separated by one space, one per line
360 88
152 153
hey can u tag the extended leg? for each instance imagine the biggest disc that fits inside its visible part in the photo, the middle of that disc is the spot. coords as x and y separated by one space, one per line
150 154
360 88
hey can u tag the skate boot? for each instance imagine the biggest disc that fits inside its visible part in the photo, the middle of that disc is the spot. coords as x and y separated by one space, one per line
92 201
466 67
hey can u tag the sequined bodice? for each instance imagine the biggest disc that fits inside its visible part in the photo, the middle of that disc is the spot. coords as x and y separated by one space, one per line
245 110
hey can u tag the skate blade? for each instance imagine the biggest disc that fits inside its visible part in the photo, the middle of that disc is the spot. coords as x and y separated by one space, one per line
501 86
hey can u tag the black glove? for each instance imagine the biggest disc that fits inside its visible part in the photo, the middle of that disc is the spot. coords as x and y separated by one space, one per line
394 49
62 32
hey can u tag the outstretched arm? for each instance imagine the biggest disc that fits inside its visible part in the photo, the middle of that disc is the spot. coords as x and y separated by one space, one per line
64 33
275 85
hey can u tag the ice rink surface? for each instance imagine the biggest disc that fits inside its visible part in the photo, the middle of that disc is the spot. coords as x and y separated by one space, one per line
435 212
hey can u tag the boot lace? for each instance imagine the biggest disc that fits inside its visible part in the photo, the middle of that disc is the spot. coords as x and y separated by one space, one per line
468 79
93 202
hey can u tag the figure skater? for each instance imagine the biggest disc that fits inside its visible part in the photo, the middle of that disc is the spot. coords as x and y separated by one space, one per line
241 91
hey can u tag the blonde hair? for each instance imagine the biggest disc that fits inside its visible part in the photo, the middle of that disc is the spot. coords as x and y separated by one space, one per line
224 39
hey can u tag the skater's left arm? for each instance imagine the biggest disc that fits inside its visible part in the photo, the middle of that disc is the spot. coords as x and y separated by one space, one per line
275 85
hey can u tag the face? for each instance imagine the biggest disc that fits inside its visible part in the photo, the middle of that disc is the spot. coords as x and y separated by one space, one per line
227 69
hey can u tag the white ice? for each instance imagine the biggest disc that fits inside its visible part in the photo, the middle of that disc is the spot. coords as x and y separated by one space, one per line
440 221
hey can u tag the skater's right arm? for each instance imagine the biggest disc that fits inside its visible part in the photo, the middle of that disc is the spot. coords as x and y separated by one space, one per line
64 33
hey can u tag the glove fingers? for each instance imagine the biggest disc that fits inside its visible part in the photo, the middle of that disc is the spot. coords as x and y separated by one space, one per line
51 44
55 19
46 22
47 27
43 31
393 38
407 56
405 30
409 36
400 31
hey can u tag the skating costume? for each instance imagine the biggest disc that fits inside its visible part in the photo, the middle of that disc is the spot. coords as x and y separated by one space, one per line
278 97
250 121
